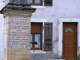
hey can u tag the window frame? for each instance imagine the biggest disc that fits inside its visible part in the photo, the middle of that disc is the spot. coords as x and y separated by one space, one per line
33 3
33 45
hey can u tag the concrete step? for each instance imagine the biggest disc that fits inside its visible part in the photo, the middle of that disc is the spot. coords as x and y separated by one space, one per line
47 59
43 56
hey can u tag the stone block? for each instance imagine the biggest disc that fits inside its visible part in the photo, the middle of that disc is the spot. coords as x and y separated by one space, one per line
18 37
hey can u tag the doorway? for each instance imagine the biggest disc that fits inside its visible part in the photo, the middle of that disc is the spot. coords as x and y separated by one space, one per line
70 41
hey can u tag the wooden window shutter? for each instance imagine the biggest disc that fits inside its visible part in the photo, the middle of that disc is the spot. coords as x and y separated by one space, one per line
48 36
48 2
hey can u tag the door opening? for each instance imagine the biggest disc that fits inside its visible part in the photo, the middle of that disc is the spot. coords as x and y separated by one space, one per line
70 41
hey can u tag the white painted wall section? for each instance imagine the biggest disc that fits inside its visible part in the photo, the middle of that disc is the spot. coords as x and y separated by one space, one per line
1 30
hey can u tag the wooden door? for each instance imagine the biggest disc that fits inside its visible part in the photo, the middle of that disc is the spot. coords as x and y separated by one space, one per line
70 41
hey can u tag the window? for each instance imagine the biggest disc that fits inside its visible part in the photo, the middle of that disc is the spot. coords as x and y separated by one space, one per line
68 29
35 2
37 38
39 2
36 35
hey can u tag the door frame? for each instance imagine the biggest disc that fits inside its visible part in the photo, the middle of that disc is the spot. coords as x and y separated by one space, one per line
60 45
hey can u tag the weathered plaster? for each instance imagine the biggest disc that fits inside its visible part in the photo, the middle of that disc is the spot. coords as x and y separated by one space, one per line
60 9
1 31
1 39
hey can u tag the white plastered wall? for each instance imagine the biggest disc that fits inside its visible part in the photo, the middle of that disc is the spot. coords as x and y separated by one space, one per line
1 39
61 20
1 30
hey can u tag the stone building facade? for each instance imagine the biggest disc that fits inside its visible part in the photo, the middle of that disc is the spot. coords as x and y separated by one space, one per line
59 14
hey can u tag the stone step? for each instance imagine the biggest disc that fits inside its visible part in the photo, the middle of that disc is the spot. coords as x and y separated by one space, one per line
47 59
43 56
